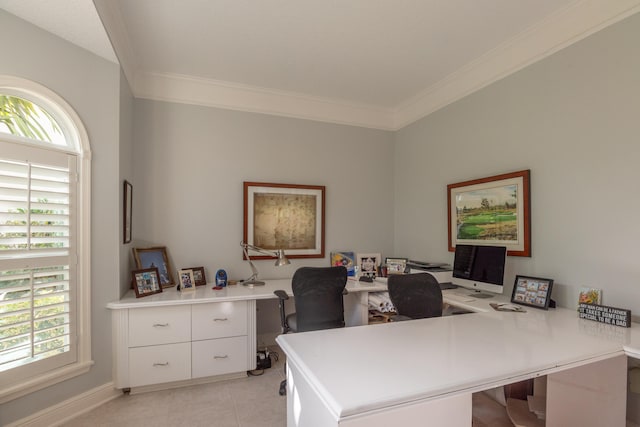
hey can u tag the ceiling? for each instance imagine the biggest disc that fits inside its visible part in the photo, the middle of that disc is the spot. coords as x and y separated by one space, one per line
373 63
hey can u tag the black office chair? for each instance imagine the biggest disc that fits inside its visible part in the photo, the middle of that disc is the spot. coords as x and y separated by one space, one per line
318 294
415 296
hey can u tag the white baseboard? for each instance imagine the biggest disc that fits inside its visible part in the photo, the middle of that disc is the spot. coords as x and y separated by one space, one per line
70 408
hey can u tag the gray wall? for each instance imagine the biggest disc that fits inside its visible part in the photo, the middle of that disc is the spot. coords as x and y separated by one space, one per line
90 85
126 173
573 120
190 164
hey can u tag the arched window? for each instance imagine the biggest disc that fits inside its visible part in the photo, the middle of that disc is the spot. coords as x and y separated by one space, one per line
44 239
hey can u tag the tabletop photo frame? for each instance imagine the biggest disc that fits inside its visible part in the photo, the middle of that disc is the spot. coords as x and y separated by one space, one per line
146 282
155 257
368 264
532 291
186 280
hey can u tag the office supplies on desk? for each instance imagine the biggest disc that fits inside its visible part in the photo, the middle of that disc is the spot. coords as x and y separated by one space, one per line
281 259
507 307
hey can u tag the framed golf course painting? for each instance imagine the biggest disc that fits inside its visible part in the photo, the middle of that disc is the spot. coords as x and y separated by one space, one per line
491 211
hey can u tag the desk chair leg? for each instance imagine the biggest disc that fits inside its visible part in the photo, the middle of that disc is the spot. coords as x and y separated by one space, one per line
283 383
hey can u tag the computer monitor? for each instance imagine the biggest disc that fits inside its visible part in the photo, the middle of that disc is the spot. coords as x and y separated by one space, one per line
480 268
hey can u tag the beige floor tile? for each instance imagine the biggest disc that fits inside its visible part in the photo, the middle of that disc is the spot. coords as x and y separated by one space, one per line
246 402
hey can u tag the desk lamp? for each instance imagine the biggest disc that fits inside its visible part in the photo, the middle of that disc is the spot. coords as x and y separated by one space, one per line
280 261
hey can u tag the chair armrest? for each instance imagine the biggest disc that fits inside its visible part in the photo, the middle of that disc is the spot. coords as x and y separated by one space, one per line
281 294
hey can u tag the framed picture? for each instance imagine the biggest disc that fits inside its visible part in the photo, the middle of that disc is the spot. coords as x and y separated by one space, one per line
186 280
346 259
284 216
532 291
146 282
155 257
198 275
491 211
396 265
368 264
127 212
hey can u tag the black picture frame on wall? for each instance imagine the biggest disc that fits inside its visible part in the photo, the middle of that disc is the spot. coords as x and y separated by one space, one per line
127 212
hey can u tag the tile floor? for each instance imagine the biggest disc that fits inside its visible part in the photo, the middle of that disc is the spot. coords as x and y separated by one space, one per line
251 401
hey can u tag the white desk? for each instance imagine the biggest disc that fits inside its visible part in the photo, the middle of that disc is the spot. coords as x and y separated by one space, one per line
408 372
179 338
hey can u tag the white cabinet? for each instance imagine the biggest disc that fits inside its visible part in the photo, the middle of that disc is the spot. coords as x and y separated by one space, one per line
158 344
159 364
219 356
159 325
219 320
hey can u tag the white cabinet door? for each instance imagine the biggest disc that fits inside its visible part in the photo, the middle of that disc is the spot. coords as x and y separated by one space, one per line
219 320
159 364
159 325
219 356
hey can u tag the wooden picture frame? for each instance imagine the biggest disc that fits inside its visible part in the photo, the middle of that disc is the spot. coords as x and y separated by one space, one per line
146 282
127 212
186 280
368 264
155 257
198 275
396 265
532 291
492 211
284 216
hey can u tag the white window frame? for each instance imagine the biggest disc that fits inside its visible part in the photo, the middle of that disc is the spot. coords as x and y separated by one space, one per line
77 137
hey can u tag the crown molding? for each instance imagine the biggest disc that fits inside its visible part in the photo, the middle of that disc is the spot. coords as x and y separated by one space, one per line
113 23
567 26
232 96
563 28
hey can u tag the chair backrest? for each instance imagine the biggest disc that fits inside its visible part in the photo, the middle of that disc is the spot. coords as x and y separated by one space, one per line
318 295
417 296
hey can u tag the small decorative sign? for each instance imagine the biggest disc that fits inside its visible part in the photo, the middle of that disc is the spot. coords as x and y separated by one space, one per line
605 314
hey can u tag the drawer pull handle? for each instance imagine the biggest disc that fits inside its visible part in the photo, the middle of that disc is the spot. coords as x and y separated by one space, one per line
161 364
160 325
218 319
221 357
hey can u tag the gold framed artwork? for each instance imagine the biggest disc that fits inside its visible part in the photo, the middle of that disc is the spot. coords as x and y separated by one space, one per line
492 211
284 216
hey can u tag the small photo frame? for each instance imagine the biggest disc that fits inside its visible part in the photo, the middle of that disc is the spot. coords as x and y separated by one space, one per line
532 291
198 275
155 257
396 265
146 282
368 264
186 280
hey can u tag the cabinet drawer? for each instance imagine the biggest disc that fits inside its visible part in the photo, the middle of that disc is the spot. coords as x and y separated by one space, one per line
159 364
159 325
219 320
219 356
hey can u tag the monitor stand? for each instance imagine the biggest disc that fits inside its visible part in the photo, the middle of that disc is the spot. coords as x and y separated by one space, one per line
480 295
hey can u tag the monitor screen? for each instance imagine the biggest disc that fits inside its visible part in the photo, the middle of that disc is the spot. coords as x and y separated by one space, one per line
479 267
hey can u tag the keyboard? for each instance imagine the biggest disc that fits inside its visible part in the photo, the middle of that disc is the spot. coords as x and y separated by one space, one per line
447 285
459 297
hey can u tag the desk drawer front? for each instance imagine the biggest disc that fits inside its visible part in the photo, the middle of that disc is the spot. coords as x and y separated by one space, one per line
220 356
159 364
159 325
219 320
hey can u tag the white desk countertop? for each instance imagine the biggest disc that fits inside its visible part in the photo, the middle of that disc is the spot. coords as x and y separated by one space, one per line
205 294
432 358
